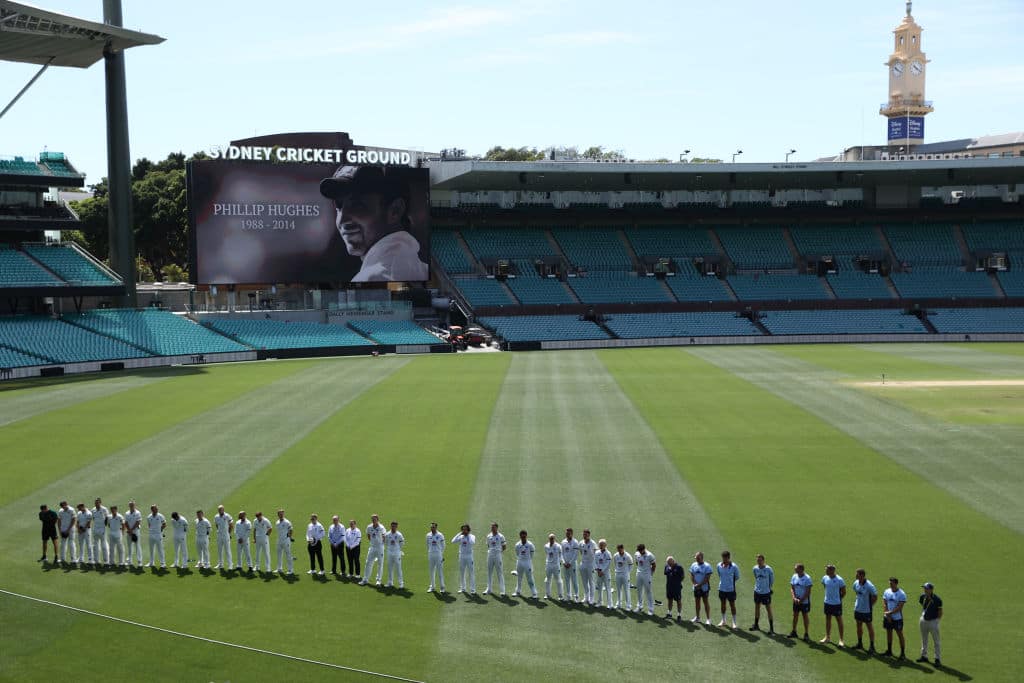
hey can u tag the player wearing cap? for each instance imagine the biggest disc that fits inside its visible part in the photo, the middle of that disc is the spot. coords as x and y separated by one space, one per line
133 533
931 613
83 520
372 215
179 529
570 552
800 585
394 541
603 569
588 551
262 530
764 583
115 545
674 574
700 577
375 536
645 563
728 575
467 573
98 537
285 538
243 532
225 525
867 595
552 567
524 550
623 563
155 525
435 558
66 528
835 591
49 521
203 529
892 618
496 545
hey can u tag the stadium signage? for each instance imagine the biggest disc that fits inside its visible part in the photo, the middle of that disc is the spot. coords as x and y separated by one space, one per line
308 155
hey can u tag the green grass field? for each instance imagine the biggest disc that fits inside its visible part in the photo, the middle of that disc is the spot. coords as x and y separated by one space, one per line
789 451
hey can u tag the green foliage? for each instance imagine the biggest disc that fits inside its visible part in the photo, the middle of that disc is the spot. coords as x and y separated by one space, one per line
599 153
172 272
704 160
499 153
143 271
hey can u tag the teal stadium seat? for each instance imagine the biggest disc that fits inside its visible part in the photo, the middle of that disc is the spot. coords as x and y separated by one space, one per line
9 358
843 242
978 320
940 283
161 332
445 246
610 286
658 325
483 292
60 342
543 328
856 284
404 332
924 244
777 287
594 248
18 270
880 321
693 287
1012 281
279 334
509 243
70 265
755 248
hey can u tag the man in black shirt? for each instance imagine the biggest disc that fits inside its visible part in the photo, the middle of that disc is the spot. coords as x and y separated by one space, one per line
49 519
931 613
674 574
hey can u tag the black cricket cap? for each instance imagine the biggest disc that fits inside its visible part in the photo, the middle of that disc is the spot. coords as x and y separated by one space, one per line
348 180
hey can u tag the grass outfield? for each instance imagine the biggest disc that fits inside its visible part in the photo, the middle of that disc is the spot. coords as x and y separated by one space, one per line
781 450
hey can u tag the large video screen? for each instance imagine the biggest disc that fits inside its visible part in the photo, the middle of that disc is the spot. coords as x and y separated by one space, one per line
293 223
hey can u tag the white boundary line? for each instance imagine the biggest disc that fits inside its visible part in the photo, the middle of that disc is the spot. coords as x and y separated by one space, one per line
211 640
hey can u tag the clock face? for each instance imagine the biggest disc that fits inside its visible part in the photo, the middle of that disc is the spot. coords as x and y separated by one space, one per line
916 67
897 69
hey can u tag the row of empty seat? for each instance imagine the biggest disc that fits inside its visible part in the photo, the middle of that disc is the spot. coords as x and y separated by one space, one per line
278 334
53 265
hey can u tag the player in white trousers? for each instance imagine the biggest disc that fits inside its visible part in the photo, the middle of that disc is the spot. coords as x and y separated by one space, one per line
179 535
603 567
644 573
394 542
435 558
496 545
467 570
225 525
623 563
203 528
115 545
570 554
524 564
155 525
66 528
262 529
375 554
588 549
133 534
285 538
98 535
243 532
83 520
552 567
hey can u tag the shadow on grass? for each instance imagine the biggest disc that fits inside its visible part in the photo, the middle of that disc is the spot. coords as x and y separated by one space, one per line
161 371
397 592
444 597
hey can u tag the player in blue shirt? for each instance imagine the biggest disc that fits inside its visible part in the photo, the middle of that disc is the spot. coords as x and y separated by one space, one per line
894 599
867 595
800 585
728 575
835 591
764 582
700 576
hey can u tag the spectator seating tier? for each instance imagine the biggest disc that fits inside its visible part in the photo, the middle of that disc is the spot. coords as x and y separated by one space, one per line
537 290
761 247
602 287
769 287
510 243
710 324
856 284
542 328
444 244
278 334
484 292
671 241
879 321
395 331
69 264
594 248
1013 281
698 288
978 320
9 358
18 270
161 332
924 244
60 342
939 283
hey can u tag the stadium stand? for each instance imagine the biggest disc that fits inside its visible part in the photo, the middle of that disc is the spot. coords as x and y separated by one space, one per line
977 320
509 243
784 286
484 292
709 324
941 283
531 289
1012 281
677 242
57 164
594 248
72 266
59 342
9 358
18 270
542 328
278 334
843 242
995 236
755 248
20 166
162 333
856 284
924 244
878 321
444 244
614 286
394 332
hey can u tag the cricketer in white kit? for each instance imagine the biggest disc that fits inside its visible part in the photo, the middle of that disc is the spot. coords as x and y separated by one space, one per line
98 536
644 571
588 551
262 529
133 533
552 567
66 517
467 571
435 557
496 545
603 567
623 563
203 530
83 522
524 564
285 532
243 532
225 525
570 553
115 545
375 554
179 535
155 525
394 542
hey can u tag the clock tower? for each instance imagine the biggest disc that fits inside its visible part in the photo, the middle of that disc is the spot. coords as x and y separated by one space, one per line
907 65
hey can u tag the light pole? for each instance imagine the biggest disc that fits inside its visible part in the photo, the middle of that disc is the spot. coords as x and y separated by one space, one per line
737 153
792 151
682 157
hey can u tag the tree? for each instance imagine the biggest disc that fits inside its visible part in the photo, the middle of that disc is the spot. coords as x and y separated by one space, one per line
599 153
499 153
144 271
172 272
702 160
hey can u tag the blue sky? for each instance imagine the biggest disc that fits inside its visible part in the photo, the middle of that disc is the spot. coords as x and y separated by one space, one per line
649 78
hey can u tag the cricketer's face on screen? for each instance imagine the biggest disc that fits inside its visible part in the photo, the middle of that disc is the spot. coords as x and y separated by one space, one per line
364 218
